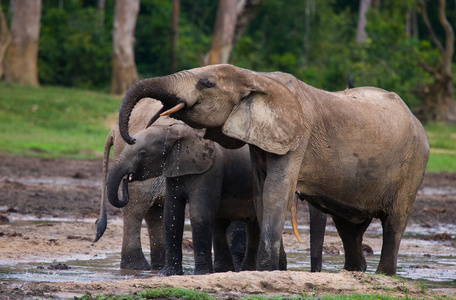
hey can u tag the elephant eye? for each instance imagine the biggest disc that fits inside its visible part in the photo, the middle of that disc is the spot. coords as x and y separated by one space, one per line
142 154
204 84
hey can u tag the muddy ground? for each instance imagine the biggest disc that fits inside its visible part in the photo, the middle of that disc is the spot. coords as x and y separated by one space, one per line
70 189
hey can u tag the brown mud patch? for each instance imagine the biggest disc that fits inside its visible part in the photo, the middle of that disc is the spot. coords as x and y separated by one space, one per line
69 189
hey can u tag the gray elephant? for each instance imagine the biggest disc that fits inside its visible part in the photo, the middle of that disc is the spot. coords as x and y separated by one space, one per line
217 183
356 154
147 200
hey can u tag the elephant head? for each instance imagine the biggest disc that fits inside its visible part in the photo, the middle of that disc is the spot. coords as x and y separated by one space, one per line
173 150
236 105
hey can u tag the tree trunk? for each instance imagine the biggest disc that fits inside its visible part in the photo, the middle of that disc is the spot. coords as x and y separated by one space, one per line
5 39
20 64
101 12
222 37
175 37
361 35
233 16
438 96
124 72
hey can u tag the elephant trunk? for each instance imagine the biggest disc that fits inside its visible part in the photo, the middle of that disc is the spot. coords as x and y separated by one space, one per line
102 222
112 186
157 88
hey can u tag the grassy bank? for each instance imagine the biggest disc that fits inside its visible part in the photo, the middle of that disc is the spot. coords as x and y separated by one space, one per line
54 122
63 122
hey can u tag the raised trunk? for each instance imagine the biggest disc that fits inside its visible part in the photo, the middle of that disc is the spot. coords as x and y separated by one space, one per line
156 88
112 188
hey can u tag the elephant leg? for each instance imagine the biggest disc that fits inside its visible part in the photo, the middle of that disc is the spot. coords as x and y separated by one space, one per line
253 240
202 220
393 229
317 235
223 261
282 257
173 220
154 221
352 238
132 256
279 186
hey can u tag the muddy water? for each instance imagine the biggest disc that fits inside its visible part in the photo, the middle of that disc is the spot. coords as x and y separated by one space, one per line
436 271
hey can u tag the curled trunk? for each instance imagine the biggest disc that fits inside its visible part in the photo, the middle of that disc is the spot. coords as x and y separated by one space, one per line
112 185
156 87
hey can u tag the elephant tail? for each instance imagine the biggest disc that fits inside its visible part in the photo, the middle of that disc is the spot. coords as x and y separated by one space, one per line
294 222
102 221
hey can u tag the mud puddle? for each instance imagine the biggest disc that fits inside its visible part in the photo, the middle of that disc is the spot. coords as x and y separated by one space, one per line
418 259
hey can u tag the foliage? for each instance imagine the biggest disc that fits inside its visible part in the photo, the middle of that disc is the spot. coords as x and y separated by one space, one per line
53 122
74 50
313 40
161 293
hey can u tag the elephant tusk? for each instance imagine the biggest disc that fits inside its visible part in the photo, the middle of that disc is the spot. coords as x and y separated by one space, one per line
178 107
294 222
155 117
130 177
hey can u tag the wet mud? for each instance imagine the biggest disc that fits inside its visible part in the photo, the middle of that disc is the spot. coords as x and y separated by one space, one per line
47 213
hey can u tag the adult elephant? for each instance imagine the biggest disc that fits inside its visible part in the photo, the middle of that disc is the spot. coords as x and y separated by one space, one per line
147 200
356 154
217 183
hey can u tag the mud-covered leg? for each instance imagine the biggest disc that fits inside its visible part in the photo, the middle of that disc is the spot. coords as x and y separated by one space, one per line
352 238
132 256
223 261
154 221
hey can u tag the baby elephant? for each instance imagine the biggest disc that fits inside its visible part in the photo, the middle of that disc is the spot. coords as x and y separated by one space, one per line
217 183
147 198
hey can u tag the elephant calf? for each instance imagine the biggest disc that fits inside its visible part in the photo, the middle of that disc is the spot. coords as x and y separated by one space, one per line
147 200
217 183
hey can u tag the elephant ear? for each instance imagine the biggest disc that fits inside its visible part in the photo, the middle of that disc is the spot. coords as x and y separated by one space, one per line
190 154
270 118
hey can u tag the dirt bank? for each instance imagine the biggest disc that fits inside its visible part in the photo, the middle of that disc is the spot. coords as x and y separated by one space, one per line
69 189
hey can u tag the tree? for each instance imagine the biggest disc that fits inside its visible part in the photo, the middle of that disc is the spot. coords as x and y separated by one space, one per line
20 64
361 35
124 72
222 37
438 96
232 19
5 39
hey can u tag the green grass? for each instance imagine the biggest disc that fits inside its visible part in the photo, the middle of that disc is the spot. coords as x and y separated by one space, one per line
53 121
64 122
161 293
442 139
179 293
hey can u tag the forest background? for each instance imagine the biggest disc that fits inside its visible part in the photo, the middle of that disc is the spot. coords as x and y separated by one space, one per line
317 41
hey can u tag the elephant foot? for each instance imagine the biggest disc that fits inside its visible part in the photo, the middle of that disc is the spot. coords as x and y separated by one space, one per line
169 271
134 265
134 262
315 264
156 267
